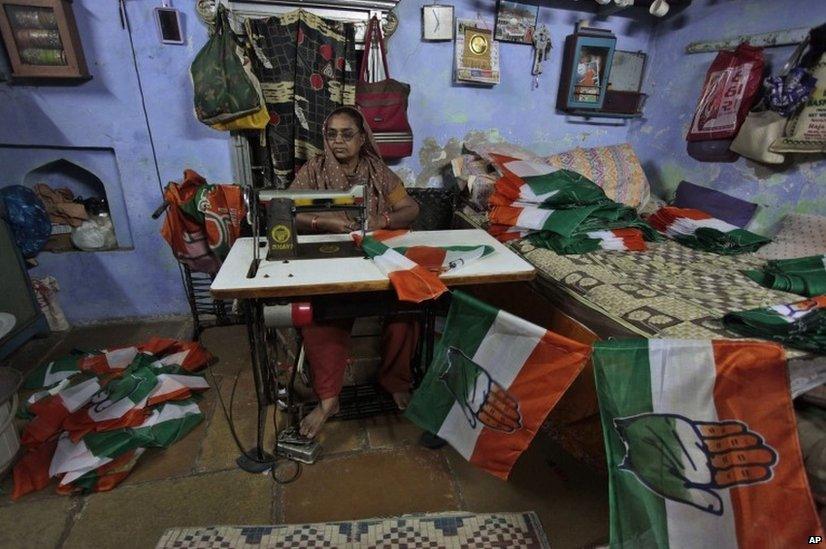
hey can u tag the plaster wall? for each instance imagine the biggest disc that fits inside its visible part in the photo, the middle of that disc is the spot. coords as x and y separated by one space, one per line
674 83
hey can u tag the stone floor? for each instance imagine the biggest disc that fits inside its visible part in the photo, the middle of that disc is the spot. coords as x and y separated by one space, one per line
369 468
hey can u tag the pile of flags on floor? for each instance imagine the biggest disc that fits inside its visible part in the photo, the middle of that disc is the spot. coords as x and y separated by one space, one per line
98 411
561 210
697 229
700 436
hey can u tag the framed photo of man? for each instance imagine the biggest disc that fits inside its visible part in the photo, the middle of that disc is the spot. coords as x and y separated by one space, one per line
586 69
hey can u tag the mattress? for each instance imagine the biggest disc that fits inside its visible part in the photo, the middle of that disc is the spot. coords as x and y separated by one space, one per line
668 291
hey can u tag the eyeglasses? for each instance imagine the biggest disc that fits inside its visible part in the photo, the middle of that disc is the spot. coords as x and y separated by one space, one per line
346 135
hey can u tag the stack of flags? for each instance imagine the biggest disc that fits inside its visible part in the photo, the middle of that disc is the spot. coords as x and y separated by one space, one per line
98 411
699 230
801 325
803 275
561 210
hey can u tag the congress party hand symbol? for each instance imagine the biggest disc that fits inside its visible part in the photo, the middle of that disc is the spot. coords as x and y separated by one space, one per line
480 397
690 461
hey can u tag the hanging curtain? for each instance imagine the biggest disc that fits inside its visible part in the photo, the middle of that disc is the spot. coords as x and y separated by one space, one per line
307 68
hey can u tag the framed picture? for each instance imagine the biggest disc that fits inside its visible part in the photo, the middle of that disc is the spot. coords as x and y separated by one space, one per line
515 22
41 39
586 69
437 22
627 71
476 56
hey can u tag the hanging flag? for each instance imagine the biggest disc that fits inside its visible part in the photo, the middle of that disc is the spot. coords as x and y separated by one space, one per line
493 380
701 445
803 275
801 325
697 229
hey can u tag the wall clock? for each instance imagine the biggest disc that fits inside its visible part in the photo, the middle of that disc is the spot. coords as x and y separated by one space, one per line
437 22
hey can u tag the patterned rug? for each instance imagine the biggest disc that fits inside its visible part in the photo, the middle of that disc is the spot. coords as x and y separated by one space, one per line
455 530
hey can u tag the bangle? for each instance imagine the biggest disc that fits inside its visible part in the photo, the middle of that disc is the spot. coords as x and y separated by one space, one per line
314 223
386 220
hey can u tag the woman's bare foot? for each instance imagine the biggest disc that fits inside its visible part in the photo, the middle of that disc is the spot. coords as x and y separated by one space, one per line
402 400
313 422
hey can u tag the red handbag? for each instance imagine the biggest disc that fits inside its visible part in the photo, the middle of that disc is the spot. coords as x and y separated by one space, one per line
384 103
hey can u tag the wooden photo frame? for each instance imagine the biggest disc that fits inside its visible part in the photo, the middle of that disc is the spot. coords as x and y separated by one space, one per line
41 39
515 21
586 69
437 23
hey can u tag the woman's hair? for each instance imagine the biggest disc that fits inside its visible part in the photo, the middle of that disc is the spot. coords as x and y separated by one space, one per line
350 113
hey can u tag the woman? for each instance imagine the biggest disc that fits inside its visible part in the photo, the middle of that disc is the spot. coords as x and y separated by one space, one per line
351 158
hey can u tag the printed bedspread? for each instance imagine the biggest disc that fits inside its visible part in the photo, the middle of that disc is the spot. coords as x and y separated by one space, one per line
667 291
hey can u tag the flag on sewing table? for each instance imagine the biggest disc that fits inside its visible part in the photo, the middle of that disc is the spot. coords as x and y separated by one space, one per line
697 229
701 445
801 325
493 380
803 275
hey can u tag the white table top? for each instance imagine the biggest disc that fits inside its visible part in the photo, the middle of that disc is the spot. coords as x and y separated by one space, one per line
304 277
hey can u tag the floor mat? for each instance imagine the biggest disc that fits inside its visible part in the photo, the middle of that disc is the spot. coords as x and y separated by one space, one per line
454 529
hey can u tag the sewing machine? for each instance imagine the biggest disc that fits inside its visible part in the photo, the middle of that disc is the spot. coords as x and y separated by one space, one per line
282 207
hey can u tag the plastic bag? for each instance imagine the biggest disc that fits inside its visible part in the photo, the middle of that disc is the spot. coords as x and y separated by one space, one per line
96 233
27 217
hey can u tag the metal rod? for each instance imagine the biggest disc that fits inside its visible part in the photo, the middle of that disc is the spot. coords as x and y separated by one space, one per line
772 39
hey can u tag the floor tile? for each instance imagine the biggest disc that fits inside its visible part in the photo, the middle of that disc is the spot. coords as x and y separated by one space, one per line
34 524
370 484
230 346
342 436
571 500
391 431
137 516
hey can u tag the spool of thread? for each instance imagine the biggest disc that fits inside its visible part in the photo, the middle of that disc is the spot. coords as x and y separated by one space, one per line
31 18
291 314
43 56
37 38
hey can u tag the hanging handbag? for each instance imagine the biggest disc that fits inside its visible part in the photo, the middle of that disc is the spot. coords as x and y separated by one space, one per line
762 126
223 88
384 103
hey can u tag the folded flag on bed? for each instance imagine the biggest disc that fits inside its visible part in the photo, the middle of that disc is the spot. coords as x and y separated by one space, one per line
616 239
536 183
562 222
801 325
701 445
83 426
697 229
493 380
506 233
804 275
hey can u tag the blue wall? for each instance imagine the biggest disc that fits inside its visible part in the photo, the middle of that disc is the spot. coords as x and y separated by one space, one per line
674 83
106 113
442 111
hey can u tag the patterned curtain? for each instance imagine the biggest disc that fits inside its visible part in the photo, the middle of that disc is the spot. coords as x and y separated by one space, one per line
307 68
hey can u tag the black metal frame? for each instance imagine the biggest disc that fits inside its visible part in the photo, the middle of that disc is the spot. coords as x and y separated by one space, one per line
201 303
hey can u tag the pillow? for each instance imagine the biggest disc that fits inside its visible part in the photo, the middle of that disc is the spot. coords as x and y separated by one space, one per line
715 203
615 168
800 235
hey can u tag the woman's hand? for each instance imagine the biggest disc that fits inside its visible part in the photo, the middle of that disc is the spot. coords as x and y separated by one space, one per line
337 225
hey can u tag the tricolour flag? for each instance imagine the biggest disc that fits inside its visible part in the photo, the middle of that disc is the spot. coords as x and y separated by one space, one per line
51 410
444 259
98 362
701 445
493 380
697 229
801 324
556 187
411 281
802 275
506 233
562 222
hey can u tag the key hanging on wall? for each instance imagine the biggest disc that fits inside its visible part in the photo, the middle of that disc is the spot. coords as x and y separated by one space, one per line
541 50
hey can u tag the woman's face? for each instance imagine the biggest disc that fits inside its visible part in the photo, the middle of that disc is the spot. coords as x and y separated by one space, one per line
344 137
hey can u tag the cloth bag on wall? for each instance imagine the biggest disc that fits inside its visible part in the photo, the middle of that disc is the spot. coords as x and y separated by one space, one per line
762 127
384 103
806 131
223 88
729 89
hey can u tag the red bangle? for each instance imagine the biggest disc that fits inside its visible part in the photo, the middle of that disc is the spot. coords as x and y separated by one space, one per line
386 220
314 223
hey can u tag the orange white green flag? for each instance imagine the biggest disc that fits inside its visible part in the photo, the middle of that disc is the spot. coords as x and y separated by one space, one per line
701 445
493 380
